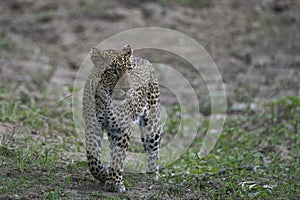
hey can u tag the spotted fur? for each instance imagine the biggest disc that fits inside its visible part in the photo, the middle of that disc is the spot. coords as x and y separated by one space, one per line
120 89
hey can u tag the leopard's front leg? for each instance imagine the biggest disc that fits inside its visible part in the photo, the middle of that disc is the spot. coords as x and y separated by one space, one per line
119 145
94 139
151 136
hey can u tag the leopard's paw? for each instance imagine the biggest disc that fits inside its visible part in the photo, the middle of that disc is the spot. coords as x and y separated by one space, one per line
111 186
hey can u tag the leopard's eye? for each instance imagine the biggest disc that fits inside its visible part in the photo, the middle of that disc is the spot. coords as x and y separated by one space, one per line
130 68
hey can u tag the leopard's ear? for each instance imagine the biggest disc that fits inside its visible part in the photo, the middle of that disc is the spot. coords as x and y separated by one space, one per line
127 50
96 56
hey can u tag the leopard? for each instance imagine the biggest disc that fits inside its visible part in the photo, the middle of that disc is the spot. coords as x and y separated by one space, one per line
120 90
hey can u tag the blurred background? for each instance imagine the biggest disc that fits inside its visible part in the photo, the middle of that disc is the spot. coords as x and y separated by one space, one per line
255 44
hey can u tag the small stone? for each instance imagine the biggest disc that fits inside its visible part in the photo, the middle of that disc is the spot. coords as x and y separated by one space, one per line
152 9
281 5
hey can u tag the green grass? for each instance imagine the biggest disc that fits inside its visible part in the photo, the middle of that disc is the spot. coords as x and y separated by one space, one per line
46 16
256 157
259 163
6 42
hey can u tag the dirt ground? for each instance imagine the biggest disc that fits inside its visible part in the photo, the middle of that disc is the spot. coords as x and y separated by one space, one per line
255 43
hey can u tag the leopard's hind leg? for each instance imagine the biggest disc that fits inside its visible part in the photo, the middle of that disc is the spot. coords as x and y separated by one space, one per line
151 128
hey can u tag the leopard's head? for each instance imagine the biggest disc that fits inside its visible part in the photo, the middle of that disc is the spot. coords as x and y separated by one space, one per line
115 67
